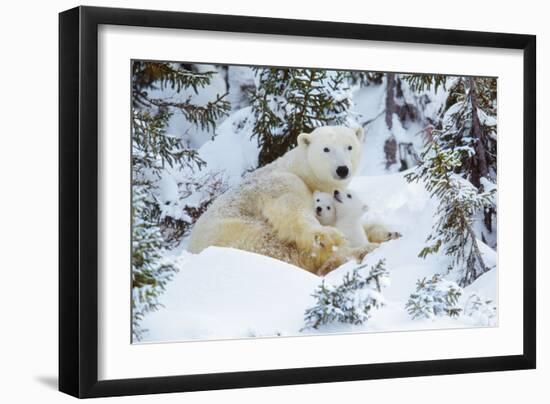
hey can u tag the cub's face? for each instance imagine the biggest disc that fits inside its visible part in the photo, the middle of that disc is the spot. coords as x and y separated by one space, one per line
333 153
348 204
323 205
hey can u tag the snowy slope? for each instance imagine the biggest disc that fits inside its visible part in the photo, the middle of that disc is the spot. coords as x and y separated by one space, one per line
226 293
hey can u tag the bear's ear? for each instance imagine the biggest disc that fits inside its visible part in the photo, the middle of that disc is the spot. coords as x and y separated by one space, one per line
359 133
304 139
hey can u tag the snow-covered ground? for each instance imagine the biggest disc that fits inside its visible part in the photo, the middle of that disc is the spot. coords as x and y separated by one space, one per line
226 293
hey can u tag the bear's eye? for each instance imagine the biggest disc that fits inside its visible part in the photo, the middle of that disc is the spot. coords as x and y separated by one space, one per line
326 149
318 200
349 147
328 207
349 196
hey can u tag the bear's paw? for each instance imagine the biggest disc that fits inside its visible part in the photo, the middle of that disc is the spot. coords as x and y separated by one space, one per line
327 239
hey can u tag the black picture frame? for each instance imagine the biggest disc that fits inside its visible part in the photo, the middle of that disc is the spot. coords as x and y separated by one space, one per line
78 201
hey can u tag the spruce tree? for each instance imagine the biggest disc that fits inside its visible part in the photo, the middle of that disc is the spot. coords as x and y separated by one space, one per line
482 311
459 168
153 151
434 297
350 302
468 125
290 101
150 269
152 148
459 202
177 76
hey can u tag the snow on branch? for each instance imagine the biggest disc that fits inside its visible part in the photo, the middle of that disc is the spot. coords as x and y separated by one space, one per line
352 301
434 297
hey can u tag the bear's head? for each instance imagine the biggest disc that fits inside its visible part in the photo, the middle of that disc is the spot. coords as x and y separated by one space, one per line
332 153
348 204
323 205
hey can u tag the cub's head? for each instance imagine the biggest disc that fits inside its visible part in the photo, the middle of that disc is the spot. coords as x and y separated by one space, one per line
323 205
333 153
348 204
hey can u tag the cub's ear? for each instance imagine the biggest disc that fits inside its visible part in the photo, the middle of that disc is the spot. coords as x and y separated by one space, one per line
359 133
304 139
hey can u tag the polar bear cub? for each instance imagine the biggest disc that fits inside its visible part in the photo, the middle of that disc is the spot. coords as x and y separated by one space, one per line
349 209
323 205
342 210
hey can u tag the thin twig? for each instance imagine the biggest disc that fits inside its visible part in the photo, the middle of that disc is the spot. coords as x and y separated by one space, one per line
368 122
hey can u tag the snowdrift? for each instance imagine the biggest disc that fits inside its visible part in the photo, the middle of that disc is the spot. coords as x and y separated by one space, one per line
226 293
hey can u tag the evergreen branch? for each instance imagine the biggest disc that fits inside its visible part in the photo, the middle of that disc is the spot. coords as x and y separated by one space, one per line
420 82
148 74
153 149
456 207
350 302
203 116
434 297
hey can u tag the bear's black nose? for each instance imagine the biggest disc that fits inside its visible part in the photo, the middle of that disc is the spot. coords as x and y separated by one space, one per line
342 171
319 209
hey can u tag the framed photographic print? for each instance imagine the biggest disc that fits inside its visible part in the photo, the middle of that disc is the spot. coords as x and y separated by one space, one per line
251 201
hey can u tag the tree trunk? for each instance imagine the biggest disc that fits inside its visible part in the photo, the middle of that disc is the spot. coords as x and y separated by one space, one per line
390 150
390 146
479 160
390 99
471 271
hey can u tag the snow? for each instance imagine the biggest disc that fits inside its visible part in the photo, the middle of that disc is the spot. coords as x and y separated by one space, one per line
225 293
240 79
171 204
168 189
370 106
228 293
485 119
370 101
239 153
233 151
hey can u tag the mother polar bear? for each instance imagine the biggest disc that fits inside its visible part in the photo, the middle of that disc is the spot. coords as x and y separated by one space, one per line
271 211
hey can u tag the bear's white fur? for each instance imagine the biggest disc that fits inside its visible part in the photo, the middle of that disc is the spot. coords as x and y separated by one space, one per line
349 209
375 232
378 233
323 205
271 212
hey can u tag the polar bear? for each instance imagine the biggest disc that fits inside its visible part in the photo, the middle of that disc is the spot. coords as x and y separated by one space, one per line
325 211
349 209
271 213
323 204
